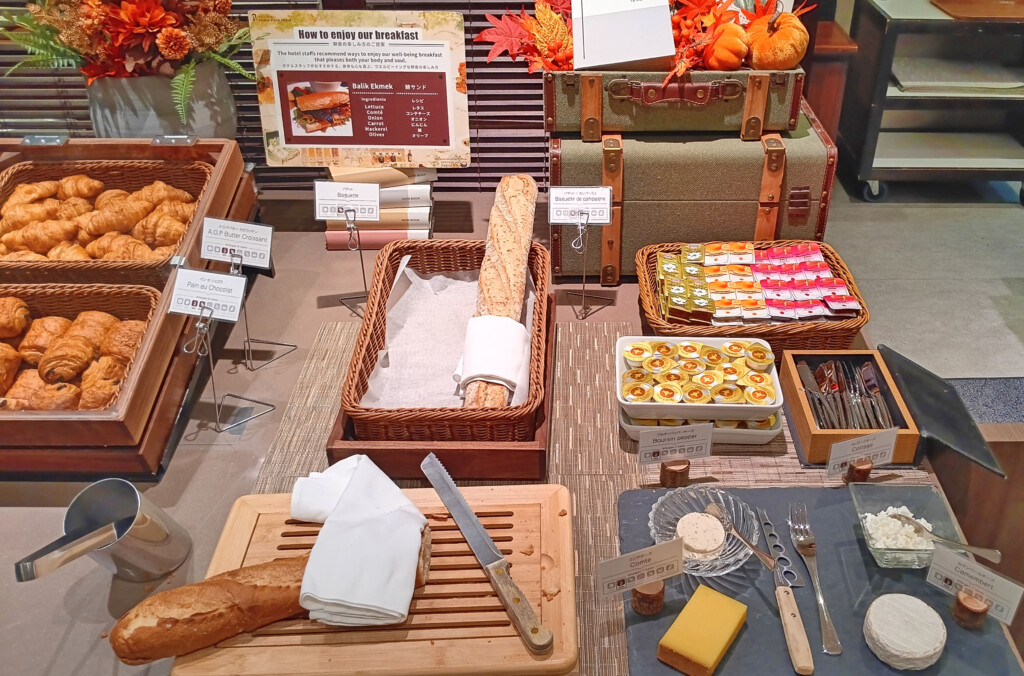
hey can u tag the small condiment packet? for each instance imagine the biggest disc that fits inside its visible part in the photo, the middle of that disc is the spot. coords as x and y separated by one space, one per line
746 290
815 270
754 310
776 255
790 271
832 286
839 303
761 256
815 251
692 253
739 272
728 309
716 273
804 289
693 271
741 253
781 309
806 309
715 254
720 291
776 289
761 271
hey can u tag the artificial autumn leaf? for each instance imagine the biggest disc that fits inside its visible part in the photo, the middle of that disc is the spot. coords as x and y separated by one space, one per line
563 7
507 35
694 8
683 64
549 31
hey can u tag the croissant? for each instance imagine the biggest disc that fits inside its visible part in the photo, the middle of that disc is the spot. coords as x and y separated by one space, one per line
109 197
83 239
7 404
120 217
14 316
10 361
182 211
79 185
40 335
76 206
58 397
162 252
26 193
93 325
27 384
25 256
66 358
158 191
15 241
4 250
122 341
104 368
23 214
159 229
117 247
68 251
41 237
99 396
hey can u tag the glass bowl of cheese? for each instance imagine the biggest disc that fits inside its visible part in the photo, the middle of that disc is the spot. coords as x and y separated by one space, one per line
670 509
892 543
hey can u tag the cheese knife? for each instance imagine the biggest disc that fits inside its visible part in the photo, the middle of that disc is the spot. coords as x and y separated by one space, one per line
793 627
538 638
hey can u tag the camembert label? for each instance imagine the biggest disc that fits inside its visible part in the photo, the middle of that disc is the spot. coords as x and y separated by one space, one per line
640 567
951 573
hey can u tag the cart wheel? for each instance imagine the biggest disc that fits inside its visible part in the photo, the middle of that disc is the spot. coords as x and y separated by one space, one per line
878 195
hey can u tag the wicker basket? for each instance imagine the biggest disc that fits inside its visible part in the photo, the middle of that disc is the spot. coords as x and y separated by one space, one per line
509 423
127 175
830 335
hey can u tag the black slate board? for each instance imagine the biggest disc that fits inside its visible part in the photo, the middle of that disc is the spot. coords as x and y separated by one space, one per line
851 581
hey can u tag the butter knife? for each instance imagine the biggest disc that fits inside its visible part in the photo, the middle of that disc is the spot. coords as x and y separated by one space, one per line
538 638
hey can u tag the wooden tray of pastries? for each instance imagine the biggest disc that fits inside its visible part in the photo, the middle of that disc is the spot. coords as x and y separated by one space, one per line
90 212
456 623
80 364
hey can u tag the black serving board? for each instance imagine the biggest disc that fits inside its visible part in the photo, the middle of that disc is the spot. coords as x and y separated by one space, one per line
849 576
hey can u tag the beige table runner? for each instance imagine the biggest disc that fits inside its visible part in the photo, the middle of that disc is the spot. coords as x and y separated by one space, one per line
587 453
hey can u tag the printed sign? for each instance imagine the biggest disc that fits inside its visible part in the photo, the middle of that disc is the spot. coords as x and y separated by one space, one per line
686 442
194 289
361 88
951 573
878 448
651 564
252 241
333 199
565 203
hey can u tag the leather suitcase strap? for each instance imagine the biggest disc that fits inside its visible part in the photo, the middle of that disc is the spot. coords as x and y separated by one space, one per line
651 93
611 234
754 106
591 106
771 187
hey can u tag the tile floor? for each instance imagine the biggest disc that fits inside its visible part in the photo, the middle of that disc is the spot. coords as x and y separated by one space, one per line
940 268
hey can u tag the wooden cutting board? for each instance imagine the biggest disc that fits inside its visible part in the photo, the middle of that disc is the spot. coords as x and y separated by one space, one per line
456 623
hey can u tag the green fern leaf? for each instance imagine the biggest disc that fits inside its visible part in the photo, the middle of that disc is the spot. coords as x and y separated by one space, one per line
230 63
46 62
181 89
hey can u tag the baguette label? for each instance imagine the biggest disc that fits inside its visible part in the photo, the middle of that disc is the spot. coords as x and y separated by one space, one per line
338 201
572 205
223 239
197 289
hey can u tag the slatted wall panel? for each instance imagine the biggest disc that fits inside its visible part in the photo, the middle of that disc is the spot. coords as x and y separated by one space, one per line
505 107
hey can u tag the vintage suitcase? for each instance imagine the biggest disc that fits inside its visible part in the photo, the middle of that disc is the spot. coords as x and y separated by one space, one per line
694 188
592 103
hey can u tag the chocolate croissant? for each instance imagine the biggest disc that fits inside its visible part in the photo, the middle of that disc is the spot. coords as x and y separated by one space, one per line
76 206
66 357
40 336
26 193
41 237
57 397
119 247
159 229
158 192
107 198
94 325
122 341
120 216
7 404
25 255
27 384
104 368
78 185
24 214
101 382
68 251
10 362
14 316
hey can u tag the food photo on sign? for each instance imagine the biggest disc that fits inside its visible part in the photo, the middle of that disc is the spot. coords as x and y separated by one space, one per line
318 107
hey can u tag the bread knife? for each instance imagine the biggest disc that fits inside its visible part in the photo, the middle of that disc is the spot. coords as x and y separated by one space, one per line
538 638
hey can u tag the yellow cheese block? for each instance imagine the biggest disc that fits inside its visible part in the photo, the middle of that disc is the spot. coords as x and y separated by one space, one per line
701 635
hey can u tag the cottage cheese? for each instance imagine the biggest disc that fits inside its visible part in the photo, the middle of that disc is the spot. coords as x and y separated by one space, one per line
885 532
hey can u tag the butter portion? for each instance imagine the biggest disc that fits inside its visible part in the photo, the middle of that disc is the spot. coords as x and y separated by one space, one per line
702 633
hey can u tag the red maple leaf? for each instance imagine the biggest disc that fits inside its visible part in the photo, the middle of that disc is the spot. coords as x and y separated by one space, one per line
507 35
563 7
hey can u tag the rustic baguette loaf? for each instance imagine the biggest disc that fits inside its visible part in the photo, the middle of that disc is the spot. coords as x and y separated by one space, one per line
179 621
504 269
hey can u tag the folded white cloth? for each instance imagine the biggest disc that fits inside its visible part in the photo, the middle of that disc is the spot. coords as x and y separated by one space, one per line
362 570
496 350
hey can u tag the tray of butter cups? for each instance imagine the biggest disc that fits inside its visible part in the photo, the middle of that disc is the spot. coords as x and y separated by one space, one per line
732 379
743 432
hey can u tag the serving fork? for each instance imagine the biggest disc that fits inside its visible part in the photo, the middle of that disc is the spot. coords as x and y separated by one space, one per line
803 540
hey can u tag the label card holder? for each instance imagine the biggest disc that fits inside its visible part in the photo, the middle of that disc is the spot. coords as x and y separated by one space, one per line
222 294
650 564
951 573
332 200
878 448
686 442
565 203
223 238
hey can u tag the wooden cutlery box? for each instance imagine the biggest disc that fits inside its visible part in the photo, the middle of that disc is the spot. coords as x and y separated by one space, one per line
817 443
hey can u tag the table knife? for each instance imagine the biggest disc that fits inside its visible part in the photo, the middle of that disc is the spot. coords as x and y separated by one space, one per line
818 407
538 639
793 627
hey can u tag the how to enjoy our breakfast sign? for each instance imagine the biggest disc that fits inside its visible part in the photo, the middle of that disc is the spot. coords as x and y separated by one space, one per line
362 88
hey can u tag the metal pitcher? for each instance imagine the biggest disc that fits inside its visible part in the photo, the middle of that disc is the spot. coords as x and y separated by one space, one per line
115 524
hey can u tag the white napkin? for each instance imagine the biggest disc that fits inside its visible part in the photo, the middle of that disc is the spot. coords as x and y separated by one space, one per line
362 570
497 350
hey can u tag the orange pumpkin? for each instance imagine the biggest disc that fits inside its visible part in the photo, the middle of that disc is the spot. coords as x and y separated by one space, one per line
728 48
777 42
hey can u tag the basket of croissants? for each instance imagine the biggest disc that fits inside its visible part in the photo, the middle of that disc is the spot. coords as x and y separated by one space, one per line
96 221
71 347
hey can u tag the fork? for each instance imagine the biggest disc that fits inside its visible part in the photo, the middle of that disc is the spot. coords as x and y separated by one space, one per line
803 539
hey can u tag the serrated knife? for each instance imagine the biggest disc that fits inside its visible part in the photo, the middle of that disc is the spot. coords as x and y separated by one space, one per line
538 639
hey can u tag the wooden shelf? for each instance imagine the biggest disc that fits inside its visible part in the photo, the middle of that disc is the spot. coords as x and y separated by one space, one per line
953 151
894 93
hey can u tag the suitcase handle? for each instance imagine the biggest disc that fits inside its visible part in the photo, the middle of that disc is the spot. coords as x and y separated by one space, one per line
651 93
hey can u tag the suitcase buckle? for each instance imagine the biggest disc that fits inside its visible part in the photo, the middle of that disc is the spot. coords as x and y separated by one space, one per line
799 202
622 89
729 89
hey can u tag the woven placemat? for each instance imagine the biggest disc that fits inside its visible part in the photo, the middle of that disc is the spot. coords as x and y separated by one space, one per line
587 453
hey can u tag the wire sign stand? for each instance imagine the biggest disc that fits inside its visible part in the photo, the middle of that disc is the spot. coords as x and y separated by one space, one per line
583 207
249 341
352 300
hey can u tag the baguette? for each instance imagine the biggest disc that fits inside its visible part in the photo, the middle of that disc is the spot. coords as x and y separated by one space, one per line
504 269
179 621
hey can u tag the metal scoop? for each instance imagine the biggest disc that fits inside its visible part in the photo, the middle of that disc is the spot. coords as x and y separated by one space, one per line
993 555
715 510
